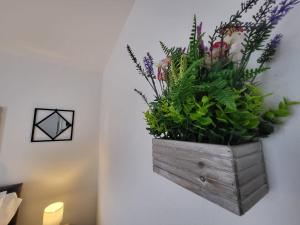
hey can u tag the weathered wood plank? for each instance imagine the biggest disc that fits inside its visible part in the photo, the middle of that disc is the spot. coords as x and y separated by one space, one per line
246 149
233 177
211 149
206 159
254 198
203 182
250 173
247 189
229 205
198 167
248 161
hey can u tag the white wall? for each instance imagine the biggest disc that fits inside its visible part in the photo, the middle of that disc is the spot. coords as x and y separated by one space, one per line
52 171
80 33
131 194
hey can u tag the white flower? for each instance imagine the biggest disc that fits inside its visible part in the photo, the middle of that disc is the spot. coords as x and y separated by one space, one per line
235 38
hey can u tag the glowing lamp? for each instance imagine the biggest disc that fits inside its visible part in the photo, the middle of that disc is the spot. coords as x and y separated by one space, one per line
53 214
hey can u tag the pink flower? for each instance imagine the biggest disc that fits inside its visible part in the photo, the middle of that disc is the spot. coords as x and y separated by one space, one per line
160 75
164 62
220 44
219 50
163 66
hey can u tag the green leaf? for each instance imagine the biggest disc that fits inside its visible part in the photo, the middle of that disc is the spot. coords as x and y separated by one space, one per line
205 121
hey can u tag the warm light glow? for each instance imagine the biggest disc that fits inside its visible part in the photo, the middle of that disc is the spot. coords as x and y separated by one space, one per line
53 214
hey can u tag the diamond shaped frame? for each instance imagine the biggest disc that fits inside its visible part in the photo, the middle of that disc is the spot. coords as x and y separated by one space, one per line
59 112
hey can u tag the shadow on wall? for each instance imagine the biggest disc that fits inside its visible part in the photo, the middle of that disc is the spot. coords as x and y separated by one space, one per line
3 111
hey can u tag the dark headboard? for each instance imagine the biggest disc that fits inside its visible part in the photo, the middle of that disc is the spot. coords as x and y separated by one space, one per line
10 189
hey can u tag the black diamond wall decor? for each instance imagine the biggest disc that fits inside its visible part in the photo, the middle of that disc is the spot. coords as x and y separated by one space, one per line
52 125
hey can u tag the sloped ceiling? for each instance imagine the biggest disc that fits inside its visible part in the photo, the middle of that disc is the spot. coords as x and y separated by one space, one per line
80 33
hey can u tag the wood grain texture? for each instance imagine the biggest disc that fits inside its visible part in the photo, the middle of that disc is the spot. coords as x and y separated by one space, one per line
223 163
205 185
231 176
200 168
229 205
217 150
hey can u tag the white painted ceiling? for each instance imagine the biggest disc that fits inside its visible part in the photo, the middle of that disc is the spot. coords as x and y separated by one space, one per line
80 33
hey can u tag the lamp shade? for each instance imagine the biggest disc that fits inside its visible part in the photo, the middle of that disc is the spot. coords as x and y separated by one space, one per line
53 214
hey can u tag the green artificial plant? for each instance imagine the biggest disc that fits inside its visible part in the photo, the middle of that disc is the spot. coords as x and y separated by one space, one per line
208 93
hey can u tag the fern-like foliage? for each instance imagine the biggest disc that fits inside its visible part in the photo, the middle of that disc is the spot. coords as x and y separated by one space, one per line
166 50
187 86
182 66
175 64
193 49
251 74
221 92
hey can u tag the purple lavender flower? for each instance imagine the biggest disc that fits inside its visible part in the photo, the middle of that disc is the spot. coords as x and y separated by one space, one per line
202 46
148 62
279 11
150 57
199 30
275 42
270 49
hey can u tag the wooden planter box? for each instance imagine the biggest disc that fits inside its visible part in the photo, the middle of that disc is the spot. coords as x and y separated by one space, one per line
233 177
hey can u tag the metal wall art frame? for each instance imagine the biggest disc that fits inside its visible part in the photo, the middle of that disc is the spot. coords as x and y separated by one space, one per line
52 125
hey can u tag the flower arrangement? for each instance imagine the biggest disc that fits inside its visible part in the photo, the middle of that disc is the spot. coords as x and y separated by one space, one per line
207 93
